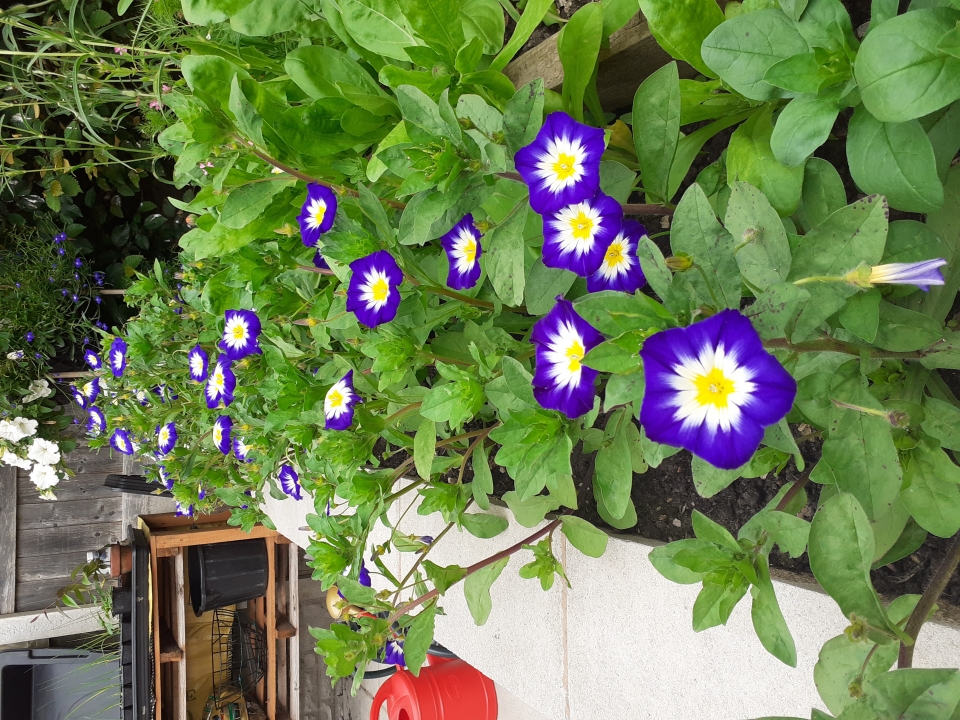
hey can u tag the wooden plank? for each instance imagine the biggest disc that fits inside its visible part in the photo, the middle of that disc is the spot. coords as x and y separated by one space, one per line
170 650
49 567
38 595
35 542
8 539
293 644
59 513
134 505
271 624
180 629
208 535
167 521
85 487
281 593
285 628
155 585
168 552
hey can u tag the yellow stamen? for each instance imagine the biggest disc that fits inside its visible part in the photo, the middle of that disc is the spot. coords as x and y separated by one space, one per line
714 388
470 251
380 290
565 166
581 226
318 214
239 332
575 353
614 255
335 399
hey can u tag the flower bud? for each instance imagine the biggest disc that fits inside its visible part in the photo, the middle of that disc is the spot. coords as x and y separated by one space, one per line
679 263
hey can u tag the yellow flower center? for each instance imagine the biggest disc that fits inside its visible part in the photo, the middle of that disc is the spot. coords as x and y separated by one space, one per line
335 399
164 436
239 332
565 166
614 255
319 213
714 388
218 380
575 353
581 226
470 251
217 434
380 290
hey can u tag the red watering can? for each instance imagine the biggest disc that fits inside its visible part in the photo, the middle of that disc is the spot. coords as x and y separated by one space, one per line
445 690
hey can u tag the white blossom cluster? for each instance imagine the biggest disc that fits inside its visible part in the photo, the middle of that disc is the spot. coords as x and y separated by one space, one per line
41 455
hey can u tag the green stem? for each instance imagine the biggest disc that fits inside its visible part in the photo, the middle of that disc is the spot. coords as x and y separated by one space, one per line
423 556
441 358
706 280
401 412
449 293
833 345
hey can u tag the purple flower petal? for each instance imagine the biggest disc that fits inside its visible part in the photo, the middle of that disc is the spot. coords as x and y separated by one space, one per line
463 248
222 427
121 442
166 438
620 267
393 653
576 236
922 274
317 214
221 384
240 334
374 295
339 402
199 363
712 388
96 421
92 359
118 357
241 450
319 261
290 482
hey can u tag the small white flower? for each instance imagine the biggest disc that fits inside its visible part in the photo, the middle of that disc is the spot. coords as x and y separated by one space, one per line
44 452
17 429
38 389
44 476
9 458
15 355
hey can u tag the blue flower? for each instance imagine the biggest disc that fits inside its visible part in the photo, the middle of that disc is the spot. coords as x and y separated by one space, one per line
364 577
221 433
576 236
118 357
922 274
78 397
711 388
198 363
560 381
393 653
91 390
165 477
92 359
96 421
317 215
319 261
98 299
463 248
99 277
620 268
29 337
184 510
61 252
121 442
78 263
290 482
221 384
240 333
166 437
241 450
338 403
374 294
562 165
59 238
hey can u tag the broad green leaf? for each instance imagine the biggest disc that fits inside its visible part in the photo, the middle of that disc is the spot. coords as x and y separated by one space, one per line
780 437
774 308
715 602
443 577
750 159
840 551
476 589
903 330
454 402
742 50
617 13
840 662
422 112
208 12
803 126
578 47
624 522
911 241
768 620
888 528
942 420
530 512
709 480
504 257
681 27
881 11
914 693
482 485
583 536
425 447
944 137
262 18
662 560
793 8
932 494
247 202
418 638
532 15
946 224
623 389
317 70
245 115
826 24
614 313
378 26
614 468
822 195
861 314
519 381
706 529
438 24
696 231
656 128
210 77
543 284
616 180
895 160
484 525
864 459
798 73
762 250
613 358
901 73
483 19
788 531
523 115
690 145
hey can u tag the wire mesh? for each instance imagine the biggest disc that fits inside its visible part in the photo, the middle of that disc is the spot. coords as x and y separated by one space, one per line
239 654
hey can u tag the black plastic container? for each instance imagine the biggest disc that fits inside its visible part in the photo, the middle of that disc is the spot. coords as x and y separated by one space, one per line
227 573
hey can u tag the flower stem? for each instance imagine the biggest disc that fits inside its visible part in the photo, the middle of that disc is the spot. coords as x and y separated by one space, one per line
449 293
318 271
413 604
919 615
834 345
441 358
401 412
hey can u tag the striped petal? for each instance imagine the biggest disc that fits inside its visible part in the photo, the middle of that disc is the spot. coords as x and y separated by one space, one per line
240 334
339 402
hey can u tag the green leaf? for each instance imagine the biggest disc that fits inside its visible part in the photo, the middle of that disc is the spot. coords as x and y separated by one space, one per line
578 46
803 126
583 536
826 24
750 159
378 26
543 285
532 15
614 467
210 77
822 195
423 113
623 389
317 70
841 550
482 485
476 589
616 180
861 314
262 18
798 73
438 24
763 252
425 447
864 460
208 12
611 357
881 11
715 602
903 330
245 115
656 128
895 160
696 232
914 693
901 73
944 137
247 202
744 48
519 381
709 480
523 115
681 27
614 313
418 638
932 495
624 522
768 620
788 531
793 8
484 525
483 19
942 420
690 145
775 308
504 257
839 664
443 577
530 512
706 529
662 560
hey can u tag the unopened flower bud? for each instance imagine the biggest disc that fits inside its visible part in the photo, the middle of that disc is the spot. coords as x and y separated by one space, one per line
855 689
750 234
679 263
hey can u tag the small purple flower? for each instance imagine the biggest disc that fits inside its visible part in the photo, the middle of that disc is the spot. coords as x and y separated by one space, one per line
462 245
96 421
338 403
118 357
576 236
393 653
374 294
620 268
98 299
241 451
560 381
29 337
199 362
64 292
711 388
290 482
922 274
364 577
184 511
319 261
562 165
61 251
16 285
221 384
222 427
59 238
317 215
240 334
165 477
75 297
166 437
78 263
98 278
120 441
78 397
